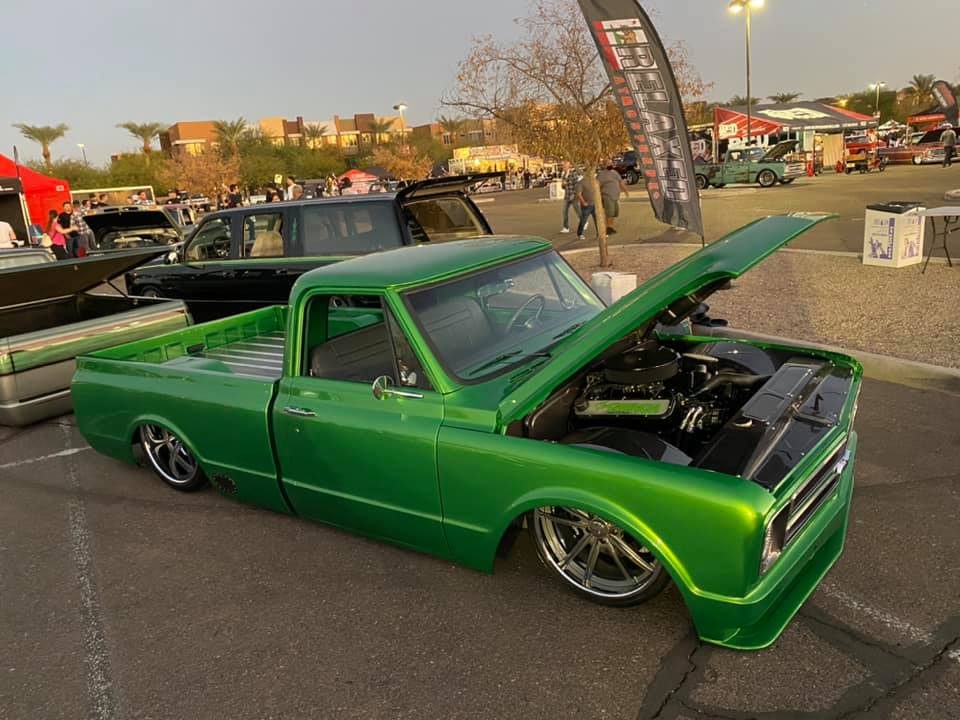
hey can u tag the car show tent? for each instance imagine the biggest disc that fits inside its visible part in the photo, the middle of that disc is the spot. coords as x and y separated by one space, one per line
784 118
40 193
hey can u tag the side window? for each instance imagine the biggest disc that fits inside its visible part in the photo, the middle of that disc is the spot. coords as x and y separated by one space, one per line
262 235
211 241
347 339
349 228
353 338
444 218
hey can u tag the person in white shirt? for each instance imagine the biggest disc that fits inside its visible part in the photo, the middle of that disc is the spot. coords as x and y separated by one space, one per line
8 238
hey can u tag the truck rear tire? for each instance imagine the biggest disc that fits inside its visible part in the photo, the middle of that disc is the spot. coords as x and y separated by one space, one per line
767 178
702 182
171 459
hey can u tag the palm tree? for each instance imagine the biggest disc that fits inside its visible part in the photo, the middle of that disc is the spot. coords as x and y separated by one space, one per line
313 133
738 100
923 88
784 97
46 135
144 132
452 127
380 127
229 133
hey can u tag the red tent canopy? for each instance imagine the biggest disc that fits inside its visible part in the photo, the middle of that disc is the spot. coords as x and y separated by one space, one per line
359 176
783 117
43 193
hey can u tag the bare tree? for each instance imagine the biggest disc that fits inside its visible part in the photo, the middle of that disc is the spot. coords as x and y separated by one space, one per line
403 161
550 89
206 172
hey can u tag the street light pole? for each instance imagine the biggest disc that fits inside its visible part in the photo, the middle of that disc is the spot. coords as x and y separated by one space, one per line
878 86
736 7
83 149
400 107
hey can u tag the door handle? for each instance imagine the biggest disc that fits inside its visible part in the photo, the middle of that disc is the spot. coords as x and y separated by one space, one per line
299 412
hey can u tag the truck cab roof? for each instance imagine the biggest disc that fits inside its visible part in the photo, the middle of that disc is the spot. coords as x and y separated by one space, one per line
418 264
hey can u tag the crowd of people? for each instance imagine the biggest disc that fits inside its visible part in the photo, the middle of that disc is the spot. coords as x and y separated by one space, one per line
579 194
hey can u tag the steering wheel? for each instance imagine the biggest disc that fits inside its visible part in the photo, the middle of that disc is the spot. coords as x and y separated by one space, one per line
536 316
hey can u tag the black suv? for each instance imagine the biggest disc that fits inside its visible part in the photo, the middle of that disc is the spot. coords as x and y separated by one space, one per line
246 258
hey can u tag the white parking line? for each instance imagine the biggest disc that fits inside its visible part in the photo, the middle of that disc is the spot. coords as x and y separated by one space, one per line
44 458
903 627
96 655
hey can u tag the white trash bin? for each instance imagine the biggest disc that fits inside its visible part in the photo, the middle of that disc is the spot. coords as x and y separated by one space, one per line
556 189
893 234
611 286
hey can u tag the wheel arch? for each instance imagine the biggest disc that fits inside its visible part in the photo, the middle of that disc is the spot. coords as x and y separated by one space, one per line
597 505
133 434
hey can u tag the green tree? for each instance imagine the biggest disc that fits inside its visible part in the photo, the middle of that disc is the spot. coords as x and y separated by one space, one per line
922 86
79 174
45 135
784 97
144 132
230 133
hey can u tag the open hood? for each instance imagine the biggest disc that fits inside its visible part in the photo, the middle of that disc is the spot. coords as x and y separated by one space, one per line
68 277
134 217
779 151
440 186
667 298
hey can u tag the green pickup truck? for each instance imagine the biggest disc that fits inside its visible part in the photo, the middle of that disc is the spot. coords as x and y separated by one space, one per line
756 165
443 397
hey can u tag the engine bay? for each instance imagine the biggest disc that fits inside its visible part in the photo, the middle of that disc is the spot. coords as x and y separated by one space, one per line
725 406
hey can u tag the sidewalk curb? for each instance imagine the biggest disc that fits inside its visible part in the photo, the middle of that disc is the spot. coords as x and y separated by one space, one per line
911 373
796 251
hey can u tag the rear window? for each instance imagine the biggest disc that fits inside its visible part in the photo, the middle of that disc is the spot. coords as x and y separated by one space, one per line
354 228
443 218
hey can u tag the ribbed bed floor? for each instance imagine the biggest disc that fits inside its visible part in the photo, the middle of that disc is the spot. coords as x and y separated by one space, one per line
261 356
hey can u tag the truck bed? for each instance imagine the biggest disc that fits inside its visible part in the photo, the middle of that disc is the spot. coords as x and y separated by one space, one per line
249 345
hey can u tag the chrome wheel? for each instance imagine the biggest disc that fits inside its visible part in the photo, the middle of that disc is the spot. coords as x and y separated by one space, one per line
170 458
596 557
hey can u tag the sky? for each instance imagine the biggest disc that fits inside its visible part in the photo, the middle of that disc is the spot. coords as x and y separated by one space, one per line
97 63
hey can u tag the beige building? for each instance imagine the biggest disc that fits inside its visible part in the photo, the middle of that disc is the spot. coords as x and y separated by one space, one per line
191 137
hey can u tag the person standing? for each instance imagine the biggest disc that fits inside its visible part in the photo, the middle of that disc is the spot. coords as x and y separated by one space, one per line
611 185
234 198
949 140
8 238
57 239
290 193
570 180
588 206
68 229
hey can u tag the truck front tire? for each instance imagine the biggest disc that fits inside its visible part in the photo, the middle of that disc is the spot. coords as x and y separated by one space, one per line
767 178
702 182
633 177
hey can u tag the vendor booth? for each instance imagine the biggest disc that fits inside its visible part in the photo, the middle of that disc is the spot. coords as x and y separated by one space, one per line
26 196
819 128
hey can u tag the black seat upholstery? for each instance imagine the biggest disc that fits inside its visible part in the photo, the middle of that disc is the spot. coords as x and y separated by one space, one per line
359 356
458 327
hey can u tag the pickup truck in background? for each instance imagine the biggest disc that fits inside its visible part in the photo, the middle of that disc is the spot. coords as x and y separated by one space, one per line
752 165
443 396
48 316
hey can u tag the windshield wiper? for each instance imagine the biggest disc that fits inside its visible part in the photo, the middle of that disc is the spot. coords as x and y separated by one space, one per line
508 356
569 331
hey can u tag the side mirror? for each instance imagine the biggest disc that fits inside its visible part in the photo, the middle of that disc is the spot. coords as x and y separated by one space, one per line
383 388
171 258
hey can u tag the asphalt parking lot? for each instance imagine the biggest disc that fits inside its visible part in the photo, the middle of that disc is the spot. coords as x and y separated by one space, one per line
726 209
123 599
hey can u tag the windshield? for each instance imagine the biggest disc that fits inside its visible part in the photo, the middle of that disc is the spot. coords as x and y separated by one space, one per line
484 324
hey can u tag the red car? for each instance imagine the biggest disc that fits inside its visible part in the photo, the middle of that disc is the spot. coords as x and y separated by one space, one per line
857 144
921 148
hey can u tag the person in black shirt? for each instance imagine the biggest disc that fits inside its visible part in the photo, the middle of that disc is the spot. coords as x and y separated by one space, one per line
70 230
234 198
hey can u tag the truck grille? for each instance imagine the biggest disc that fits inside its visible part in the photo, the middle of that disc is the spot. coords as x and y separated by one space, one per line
809 498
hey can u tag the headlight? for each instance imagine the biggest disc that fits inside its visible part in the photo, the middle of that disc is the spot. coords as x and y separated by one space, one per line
773 539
